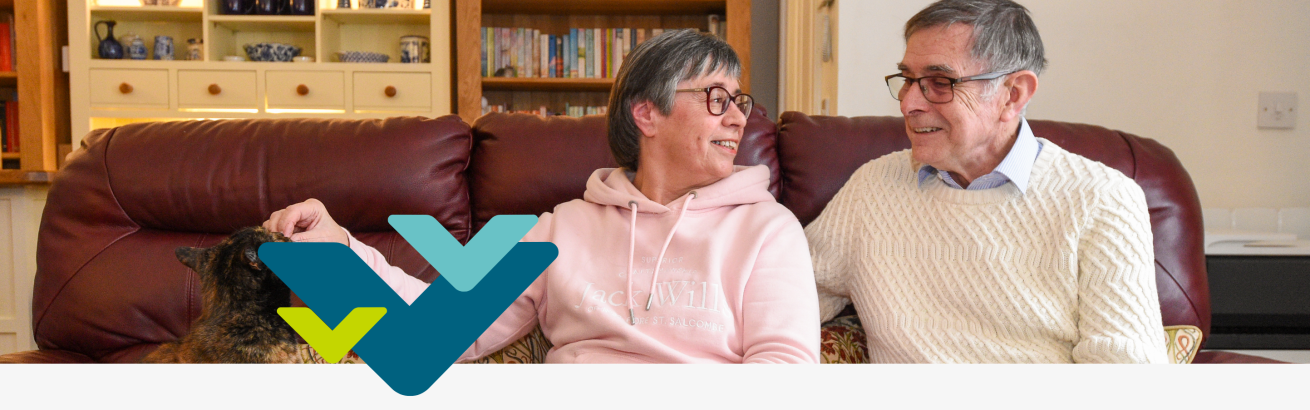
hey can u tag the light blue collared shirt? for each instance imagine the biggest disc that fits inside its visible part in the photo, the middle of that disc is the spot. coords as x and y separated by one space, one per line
1017 167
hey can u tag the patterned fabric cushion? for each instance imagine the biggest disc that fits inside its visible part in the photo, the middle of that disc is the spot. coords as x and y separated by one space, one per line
530 349
310 356
1183 342
844 341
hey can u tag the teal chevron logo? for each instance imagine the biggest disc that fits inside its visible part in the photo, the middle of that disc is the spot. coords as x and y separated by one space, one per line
411 345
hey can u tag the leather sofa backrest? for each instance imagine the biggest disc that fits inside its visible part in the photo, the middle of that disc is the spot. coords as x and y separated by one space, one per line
818 154
108 284
526 164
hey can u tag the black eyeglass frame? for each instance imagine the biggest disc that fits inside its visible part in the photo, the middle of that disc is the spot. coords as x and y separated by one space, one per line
923 89
732 99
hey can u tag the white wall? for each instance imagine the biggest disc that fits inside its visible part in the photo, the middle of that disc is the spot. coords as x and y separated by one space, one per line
1185 73
20 216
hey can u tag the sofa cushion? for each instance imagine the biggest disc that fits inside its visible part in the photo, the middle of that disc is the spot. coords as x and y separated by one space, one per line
526 164
105 264
820 153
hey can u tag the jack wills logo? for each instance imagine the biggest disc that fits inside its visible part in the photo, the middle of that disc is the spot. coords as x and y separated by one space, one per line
691 294
677 303
409 345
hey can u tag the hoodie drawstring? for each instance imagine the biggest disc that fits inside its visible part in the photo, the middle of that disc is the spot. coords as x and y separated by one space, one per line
632 244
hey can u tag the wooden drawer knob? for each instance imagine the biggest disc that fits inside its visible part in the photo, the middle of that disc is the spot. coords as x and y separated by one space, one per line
214 89
302 89
125 88
390 91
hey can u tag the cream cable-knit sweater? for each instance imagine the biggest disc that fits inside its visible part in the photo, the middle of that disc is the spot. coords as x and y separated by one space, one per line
1063 273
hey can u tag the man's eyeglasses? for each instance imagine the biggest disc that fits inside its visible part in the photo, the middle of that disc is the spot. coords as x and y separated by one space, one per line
718 98
936 89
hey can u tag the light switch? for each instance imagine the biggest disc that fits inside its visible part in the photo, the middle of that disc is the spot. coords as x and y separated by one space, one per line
1277 110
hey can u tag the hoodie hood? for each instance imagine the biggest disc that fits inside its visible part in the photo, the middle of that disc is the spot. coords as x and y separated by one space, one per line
747 185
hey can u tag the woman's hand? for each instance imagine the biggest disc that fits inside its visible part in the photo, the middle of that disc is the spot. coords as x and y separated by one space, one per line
306 222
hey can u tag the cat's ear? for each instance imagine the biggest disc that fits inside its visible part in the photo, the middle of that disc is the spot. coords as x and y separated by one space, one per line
190 257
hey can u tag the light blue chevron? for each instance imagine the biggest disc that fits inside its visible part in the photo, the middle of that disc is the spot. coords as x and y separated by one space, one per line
463 266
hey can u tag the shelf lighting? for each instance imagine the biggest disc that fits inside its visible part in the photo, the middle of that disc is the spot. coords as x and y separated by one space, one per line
118 3
242 110
303 111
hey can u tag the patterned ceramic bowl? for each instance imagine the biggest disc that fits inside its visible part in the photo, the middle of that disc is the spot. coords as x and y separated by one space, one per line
277 52
362 57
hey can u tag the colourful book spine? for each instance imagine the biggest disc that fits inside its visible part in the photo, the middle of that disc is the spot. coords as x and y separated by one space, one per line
608 64
482 43
11 123
598 59
571 43
620 49
6 51
559 56
588 54
15 137
517 54
538 53
504 48
571 54
4 128
550 62
493 54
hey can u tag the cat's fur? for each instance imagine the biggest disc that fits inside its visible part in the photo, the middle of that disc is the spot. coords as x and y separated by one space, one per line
238 316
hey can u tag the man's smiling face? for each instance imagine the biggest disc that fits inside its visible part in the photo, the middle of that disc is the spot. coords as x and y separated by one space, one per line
952 135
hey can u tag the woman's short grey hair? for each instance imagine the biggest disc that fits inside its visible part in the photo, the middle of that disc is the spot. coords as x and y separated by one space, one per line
1004 35
651 73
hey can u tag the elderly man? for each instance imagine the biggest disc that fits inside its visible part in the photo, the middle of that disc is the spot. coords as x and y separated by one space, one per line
984 242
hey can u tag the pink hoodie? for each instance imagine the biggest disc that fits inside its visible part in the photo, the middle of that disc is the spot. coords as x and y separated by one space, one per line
735 284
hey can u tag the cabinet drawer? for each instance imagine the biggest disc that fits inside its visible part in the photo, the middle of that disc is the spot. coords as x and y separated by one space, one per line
216 89
322 89
413 92
129 88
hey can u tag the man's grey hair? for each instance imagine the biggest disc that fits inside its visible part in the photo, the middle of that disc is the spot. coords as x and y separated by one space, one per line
1005 39
652 73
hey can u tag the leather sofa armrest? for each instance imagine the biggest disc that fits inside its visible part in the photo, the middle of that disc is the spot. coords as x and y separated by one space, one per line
1216 356
45 356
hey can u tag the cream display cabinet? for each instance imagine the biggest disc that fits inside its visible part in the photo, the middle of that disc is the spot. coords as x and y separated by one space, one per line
110 92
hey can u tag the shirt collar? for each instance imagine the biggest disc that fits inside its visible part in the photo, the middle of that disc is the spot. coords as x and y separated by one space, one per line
1017 165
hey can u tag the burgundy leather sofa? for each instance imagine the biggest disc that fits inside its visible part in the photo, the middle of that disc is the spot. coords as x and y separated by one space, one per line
109 289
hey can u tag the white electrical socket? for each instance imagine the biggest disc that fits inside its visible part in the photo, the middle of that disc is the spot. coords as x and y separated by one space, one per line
1277 110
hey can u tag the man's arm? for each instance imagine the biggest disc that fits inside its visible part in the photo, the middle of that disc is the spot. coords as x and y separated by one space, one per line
834 243
1118 306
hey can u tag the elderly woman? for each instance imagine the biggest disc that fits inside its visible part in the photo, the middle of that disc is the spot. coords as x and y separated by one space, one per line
676 257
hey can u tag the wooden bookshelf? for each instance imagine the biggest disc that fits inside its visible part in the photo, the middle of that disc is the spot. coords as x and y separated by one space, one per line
556 17
41 28
547 84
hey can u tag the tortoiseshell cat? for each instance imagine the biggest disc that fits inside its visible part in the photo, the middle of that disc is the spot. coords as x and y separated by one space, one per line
238 317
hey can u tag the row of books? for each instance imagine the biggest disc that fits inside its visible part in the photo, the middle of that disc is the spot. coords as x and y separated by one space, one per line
9 120
583 53
569 110
7 58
